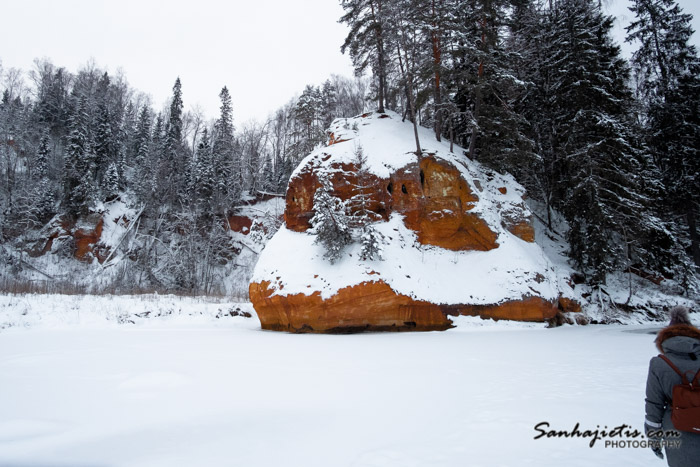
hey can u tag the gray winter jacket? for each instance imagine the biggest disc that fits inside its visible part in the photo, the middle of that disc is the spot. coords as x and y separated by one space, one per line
681 344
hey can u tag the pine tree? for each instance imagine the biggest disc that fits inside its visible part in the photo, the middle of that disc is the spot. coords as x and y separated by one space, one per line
308 113
366 40
405 41
329 103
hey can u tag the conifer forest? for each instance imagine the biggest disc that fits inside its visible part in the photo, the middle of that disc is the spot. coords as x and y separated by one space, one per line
538 89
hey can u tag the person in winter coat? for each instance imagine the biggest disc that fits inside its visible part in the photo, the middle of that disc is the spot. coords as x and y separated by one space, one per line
680 343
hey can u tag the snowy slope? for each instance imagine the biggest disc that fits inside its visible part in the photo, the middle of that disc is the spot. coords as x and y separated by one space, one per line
424 273
625 298
124 233
293 264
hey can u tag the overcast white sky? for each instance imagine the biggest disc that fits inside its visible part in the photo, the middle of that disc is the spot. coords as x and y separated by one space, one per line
265 51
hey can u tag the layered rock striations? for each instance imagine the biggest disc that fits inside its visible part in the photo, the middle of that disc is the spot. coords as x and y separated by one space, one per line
457 240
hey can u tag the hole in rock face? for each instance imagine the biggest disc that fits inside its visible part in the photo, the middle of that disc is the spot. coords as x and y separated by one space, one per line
294 200
390 188
422 179
403 189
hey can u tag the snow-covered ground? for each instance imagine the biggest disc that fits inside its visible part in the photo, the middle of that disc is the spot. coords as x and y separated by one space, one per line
187 388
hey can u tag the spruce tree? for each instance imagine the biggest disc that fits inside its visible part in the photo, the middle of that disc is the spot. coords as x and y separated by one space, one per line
111 182
362 218
44 200
174 131
174 160
142 137
668 77
204 177
534 40
486 90
330 221
157 179
53 103
143 156
41 169
602 172
226 168
78 178
105 141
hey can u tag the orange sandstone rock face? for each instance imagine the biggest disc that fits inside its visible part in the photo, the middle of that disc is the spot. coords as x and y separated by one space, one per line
347 310
84 236
240 224
432 196
366 306
519 225
85 240
299 201
441 218
333 140
569 305
527 309
523 230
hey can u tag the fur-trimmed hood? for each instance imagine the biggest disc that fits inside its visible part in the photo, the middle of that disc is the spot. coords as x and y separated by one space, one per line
689 344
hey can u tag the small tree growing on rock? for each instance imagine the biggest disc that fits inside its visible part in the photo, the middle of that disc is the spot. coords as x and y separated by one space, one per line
363 218
372 241
330 221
